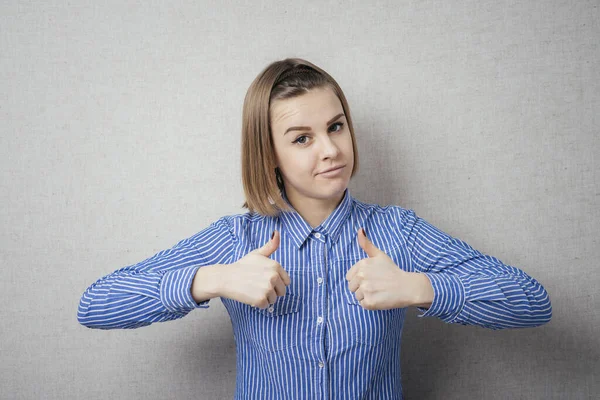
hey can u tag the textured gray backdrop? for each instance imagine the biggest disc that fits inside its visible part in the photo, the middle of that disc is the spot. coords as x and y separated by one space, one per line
120 127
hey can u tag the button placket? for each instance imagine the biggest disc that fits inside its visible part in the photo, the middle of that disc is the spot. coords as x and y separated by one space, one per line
321 308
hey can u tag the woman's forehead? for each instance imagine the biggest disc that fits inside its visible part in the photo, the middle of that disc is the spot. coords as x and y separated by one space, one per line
316 105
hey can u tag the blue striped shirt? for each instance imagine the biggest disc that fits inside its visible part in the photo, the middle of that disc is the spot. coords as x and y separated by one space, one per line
317 342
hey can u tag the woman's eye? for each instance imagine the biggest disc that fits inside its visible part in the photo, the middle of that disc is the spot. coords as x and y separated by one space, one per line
333 128
300 141
337 124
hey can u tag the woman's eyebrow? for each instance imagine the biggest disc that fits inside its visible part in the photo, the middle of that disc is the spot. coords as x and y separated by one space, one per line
307 128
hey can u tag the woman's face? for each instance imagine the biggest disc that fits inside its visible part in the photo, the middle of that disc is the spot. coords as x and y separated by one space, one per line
310 135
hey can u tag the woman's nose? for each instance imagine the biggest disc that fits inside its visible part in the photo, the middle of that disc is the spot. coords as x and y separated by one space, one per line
329 149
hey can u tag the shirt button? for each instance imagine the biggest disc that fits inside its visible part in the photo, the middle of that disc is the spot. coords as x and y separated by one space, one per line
271 309
319 280
317 235
319 320
321 365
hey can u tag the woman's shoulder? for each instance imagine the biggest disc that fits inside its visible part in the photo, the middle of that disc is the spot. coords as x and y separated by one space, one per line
240 223
244 218
391 211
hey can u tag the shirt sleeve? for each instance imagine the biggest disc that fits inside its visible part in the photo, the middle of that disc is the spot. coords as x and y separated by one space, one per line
159 288
471 288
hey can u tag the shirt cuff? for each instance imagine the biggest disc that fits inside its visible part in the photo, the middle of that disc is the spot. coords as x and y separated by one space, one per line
448 297
175 291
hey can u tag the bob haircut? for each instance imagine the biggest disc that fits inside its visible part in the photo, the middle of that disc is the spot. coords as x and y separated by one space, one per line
285 79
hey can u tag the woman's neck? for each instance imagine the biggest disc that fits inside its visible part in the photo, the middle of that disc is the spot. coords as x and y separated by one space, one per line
313 211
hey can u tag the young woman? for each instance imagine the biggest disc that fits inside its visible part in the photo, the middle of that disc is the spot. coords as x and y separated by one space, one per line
316 282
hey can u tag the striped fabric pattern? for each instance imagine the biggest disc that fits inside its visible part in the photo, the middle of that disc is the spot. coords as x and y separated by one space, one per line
317 342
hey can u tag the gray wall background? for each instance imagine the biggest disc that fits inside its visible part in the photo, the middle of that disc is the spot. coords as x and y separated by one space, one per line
120 127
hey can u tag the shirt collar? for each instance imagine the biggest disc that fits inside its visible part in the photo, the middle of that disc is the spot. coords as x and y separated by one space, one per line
298 229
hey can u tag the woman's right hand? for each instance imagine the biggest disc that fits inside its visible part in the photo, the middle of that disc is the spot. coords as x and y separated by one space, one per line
254 279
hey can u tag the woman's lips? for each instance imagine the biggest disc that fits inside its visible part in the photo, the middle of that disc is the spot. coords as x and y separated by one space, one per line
333 173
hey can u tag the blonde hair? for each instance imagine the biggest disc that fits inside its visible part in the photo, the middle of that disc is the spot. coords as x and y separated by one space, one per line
263 185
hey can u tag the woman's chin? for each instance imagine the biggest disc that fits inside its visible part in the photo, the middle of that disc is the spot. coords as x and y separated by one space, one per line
334 188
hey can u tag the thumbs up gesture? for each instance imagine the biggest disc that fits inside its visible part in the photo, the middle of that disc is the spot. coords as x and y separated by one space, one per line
379 284
255 279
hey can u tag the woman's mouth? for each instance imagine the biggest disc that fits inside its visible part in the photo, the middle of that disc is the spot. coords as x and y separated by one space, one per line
333 173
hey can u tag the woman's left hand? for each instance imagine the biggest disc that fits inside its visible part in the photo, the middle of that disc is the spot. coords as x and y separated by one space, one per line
379 284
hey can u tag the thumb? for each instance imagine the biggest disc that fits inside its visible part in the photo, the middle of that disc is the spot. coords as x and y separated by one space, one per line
269 248
367 245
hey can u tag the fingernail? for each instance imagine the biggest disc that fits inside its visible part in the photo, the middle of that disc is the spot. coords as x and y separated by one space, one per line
272 235
363 231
